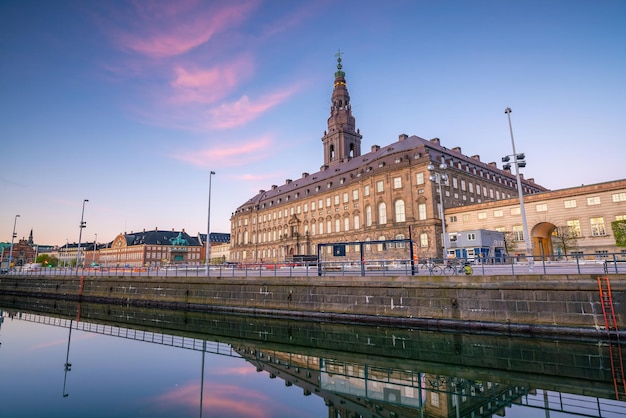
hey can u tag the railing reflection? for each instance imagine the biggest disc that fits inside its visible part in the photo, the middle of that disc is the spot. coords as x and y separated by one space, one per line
370 386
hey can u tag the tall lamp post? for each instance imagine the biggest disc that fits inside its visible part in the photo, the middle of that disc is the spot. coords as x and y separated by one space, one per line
208 227
83 224
438 178
12 238
518 161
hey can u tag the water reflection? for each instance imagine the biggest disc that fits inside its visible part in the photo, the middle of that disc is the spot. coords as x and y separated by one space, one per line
367 371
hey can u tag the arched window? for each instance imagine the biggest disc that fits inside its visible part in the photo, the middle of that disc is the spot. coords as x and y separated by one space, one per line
382 213
332 152
400 216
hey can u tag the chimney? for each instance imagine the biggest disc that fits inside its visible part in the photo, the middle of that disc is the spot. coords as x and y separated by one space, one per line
435 141
492 164
305 175
402 137
375 148
274 187
287 181
476 157
457 149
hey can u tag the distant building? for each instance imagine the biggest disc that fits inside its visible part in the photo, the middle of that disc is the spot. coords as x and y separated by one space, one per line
151 248
220 247
579 218
381 195
477 243
23 253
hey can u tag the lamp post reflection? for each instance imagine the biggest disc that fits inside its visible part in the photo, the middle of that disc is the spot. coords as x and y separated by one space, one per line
68 365
202 377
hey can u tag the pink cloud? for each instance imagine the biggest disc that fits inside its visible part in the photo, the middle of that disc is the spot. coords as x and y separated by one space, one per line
244 110
166 29
196 85
228 154
221 400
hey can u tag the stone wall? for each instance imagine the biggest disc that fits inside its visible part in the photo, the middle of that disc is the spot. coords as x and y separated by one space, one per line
567 305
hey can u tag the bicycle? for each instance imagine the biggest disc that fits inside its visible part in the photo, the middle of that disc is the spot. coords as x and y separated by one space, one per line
452 269
432 268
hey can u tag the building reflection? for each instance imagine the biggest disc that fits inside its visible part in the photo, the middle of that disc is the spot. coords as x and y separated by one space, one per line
357 390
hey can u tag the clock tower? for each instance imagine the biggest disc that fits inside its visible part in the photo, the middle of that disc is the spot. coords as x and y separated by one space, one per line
342 141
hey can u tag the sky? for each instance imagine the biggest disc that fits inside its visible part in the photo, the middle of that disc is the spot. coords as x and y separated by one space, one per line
131 104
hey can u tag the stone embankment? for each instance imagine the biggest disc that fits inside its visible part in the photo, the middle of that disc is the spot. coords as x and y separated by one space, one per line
560 306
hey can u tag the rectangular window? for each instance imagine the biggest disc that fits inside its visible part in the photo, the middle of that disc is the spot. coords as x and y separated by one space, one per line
424 240
541 207
355 195
498 213
313 205
366 190
346 224
346 197
379 186
470 187
320 204
397 182
421 211
329 226
471 236
597 227
337 225
455 183
593 200
305 207
619 197
328 202
482 215
419 178
518 233
569 204
573 225
466 217
463 185
516 211
357 222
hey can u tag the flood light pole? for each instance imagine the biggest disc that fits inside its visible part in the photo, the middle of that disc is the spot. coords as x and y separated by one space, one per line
518 161
82 225
438 178
208 227
12 238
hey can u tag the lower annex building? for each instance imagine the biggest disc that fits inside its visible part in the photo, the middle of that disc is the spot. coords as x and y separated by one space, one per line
385 194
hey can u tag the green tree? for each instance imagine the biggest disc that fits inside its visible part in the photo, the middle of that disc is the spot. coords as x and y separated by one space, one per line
619 232
47 261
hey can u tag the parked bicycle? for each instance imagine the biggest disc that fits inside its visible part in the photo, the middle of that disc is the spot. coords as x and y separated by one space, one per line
456 268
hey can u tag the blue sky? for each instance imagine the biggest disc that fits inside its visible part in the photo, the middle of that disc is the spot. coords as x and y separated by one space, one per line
130 104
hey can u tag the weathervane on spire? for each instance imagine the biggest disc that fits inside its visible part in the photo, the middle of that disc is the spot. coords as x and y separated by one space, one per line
339 73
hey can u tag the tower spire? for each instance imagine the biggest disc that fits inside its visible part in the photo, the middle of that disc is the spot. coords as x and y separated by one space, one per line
342 141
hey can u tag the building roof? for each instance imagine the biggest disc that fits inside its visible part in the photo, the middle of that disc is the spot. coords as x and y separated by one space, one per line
216 238
157 237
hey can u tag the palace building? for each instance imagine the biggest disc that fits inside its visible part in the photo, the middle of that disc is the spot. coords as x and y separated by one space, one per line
384 194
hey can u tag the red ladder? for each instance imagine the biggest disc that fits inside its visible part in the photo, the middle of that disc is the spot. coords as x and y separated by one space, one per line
615 348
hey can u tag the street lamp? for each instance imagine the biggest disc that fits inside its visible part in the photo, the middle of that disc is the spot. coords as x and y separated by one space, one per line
438 178
208 227
518 161
12 237
82 225
95 248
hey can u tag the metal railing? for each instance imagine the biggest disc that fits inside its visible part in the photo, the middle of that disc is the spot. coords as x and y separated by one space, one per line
481 266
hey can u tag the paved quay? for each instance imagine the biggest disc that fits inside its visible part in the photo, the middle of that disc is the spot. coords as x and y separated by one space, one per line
564 306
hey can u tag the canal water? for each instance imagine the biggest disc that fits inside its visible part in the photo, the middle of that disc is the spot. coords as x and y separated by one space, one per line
62 359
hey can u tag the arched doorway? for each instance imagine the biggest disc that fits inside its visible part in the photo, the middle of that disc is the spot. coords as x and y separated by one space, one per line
542 240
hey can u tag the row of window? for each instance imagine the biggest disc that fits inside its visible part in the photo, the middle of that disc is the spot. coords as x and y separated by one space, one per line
379 188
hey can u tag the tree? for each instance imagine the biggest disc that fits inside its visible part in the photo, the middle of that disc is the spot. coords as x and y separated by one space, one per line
565 238
47 261
619 232
509 242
